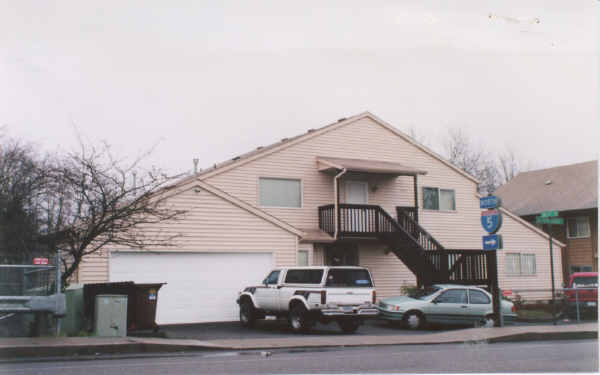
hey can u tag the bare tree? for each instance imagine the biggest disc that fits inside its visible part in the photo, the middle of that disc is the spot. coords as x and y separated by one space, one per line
509 165
464 154
92 200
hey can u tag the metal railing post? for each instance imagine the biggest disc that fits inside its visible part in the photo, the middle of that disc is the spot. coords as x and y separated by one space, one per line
58 286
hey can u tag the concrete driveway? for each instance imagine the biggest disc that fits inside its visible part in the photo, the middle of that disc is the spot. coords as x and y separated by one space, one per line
280 329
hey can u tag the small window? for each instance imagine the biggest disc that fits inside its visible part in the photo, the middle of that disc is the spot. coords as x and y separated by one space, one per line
272 278
453 296
578 227
439 199
349 277
302 258
280 192
477 297
581 269
516 264
304 276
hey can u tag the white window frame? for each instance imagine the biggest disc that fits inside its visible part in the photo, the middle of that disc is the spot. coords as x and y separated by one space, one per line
520 257
307 258
439 190
587 223
280 178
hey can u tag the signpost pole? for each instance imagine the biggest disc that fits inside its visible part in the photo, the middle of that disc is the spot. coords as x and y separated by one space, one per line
58 287
552 275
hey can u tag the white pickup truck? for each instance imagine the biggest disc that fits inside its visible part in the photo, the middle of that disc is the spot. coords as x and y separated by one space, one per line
305 295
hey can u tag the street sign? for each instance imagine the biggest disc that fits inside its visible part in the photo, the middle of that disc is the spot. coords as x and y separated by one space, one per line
491 201
549 220
492 242
40 261
491 220
549 214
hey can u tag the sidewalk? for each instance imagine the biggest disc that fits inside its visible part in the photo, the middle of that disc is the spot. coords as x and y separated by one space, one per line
12 348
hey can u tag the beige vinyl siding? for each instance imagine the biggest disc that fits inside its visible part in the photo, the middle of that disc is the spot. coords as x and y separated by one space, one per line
519 239
211 224
388 272
362 139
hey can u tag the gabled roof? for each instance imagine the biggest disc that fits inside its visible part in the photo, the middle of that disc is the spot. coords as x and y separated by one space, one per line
311 133
564 188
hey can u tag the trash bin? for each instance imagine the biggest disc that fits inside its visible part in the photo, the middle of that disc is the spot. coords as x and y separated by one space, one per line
141 302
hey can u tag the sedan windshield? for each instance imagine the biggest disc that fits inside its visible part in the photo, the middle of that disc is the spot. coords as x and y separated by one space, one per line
424 293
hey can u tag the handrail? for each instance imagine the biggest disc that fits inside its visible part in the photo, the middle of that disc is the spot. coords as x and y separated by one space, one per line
418 232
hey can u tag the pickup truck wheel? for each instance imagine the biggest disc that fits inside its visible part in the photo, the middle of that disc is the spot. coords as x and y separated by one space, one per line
299 320
247 314
349 325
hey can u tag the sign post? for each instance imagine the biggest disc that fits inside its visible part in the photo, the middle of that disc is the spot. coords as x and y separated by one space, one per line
491 221
551 217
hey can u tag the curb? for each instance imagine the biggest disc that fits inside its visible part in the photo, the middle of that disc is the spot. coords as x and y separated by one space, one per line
138 349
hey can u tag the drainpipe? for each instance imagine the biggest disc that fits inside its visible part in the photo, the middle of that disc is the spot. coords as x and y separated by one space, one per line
335 200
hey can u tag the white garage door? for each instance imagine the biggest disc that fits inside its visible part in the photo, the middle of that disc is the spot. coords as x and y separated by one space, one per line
201 287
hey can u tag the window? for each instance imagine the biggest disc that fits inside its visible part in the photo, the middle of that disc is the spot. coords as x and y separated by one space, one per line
453 296
272 278
349 277
477 297
581 269
439 199
302 258
517 264
304 276
280 192
578 227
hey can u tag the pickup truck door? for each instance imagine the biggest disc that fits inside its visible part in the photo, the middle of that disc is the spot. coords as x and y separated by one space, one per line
267 295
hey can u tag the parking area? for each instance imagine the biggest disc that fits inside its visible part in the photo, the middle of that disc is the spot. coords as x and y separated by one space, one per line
281 329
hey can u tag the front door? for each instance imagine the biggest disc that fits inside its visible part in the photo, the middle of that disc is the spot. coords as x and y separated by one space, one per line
341 255
357 192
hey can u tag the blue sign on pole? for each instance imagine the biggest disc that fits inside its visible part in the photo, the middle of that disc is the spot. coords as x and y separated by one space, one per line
491 201
491 220
492 242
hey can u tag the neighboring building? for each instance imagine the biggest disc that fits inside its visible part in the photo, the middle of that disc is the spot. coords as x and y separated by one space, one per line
325 197
573 191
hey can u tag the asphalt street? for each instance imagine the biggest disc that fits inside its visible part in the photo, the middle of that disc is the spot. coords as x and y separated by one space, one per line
550 356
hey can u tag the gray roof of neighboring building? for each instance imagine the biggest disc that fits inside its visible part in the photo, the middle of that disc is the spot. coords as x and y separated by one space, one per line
564 188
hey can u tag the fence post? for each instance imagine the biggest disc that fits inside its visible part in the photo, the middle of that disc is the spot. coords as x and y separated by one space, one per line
58 286
577 303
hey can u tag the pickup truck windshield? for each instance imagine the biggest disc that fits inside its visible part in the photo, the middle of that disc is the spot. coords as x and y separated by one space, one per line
585 282
349 278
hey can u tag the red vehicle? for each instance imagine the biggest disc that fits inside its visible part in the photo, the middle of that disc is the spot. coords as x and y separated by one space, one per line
587 298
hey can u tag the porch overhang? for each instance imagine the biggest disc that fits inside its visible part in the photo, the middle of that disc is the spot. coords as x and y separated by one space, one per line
316 236
331 165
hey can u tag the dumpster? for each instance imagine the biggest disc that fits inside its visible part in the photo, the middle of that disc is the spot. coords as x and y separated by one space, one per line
141 302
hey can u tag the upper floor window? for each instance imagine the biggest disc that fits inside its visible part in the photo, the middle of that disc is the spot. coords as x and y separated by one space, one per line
517 264
438 199
578 227
280 192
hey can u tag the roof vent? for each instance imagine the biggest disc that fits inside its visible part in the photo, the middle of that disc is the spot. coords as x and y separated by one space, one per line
548 182
259 147
341 119
284 139
236 158
310 130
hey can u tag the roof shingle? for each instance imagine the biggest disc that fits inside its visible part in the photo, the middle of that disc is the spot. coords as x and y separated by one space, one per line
564 188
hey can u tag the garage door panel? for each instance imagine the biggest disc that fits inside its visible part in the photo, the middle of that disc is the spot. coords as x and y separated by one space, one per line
201 287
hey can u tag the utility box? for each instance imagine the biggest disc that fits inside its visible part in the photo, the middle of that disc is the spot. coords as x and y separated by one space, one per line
110 318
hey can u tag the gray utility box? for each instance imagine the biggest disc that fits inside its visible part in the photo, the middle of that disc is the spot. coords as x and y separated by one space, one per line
110 318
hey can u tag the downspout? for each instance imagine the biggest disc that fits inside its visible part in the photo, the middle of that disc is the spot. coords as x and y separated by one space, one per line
336 201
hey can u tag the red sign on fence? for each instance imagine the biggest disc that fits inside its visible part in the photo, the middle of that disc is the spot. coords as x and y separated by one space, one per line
41 261
507 293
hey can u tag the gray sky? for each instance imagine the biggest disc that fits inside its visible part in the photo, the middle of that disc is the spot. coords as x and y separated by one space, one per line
215 79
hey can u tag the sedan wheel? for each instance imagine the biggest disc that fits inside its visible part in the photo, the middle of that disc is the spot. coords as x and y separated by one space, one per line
488 322
413 320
